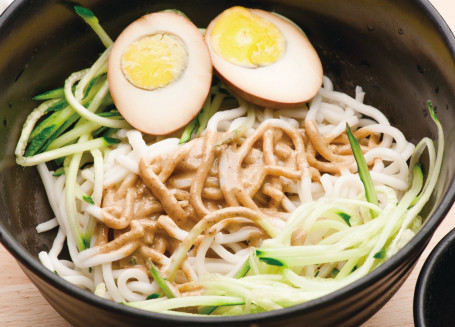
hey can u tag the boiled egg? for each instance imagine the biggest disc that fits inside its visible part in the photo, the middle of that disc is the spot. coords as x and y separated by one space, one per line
264 57
159 72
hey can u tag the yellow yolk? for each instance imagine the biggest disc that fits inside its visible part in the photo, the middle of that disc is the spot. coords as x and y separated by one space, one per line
154 61
246 39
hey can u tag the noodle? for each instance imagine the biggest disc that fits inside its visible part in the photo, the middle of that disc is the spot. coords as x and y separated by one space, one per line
266 171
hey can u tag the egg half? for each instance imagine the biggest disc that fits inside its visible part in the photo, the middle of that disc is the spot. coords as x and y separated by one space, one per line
159 72
264 57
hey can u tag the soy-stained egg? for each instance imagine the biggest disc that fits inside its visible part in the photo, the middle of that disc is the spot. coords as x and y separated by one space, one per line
159 72
263 57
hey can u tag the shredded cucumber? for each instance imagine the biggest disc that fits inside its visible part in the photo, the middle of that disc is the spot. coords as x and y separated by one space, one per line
210 107
90 18
362 168
52 94
160 280
355 248
161 305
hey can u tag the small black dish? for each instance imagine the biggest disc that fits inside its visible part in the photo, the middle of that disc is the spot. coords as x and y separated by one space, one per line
434 299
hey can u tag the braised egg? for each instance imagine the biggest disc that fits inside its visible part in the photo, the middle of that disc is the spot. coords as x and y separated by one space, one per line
263 57
159 72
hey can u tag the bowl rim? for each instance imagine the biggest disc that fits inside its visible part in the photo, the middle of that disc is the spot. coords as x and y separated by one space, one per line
418 241
425 277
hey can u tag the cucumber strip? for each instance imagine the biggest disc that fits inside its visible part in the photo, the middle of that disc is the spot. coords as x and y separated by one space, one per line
90 85
104 131
188 131
95 72
72 135
48 135
70 121
85 112
161 281
52 94
113 113
153 296
362 167
243 270
98 164
56 118
63 152
302 255
204 115
239 274
208 112
60 122
242 129
36 143
60 161
59 172
204 224
159 305
199 124
58 106
431 179
30 122
71 187
89 17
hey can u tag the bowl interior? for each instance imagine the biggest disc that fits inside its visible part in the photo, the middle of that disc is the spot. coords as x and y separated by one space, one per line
401 53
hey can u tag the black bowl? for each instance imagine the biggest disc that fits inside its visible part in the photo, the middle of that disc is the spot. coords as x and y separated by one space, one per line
400 52
433 297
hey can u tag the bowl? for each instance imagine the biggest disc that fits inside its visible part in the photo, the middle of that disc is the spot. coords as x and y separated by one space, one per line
401 52
433 297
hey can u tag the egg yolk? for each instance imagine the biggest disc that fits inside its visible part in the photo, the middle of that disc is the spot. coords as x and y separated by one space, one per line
154 61
246 39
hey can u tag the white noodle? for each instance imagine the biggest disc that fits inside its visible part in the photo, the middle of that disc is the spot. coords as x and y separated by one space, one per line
329 109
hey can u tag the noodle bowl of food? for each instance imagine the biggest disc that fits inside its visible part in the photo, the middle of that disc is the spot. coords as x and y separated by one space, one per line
218 163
